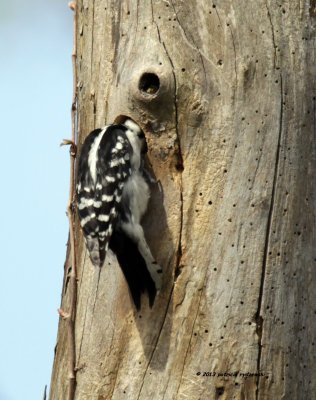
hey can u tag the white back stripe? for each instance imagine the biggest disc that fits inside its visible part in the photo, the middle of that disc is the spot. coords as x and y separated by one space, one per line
92 159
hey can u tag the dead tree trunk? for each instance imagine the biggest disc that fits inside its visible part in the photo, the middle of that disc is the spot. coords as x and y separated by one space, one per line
226 96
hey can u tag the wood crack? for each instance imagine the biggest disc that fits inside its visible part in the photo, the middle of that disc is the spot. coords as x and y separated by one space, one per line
273 37
157 340
220 22
235 57
179 251
192 45
96 291
92 41
259 318
187 350
180 166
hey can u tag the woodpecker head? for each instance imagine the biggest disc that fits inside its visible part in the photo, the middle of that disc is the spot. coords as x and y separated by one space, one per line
138 135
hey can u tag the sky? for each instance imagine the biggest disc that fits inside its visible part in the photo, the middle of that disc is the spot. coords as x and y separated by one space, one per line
36 92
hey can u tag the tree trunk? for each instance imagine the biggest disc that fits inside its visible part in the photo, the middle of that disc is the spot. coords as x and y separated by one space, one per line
230 125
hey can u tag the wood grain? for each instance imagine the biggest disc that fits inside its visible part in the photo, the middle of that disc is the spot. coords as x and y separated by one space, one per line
231 133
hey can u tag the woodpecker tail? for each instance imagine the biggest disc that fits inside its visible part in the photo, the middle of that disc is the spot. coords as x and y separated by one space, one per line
134 267
96 250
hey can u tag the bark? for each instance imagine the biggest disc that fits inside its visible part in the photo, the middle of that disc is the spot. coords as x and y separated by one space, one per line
231 134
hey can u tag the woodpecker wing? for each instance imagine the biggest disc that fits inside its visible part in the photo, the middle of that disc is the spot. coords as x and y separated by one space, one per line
104 166
85 188
113 169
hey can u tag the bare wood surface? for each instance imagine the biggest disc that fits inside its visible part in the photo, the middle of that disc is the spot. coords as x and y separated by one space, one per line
231 133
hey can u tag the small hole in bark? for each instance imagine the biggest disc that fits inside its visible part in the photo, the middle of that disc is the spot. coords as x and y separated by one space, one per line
179 167
219 391
149 83
178 271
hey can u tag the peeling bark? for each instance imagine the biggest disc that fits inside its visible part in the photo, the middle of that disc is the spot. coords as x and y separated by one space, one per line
231 134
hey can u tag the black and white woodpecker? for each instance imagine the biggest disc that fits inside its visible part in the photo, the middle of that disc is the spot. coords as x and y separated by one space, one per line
112 196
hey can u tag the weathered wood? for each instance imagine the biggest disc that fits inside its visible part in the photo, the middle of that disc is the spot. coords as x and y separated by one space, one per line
231 133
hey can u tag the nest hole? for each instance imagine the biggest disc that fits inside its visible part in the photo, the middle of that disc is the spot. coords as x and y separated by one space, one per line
149 83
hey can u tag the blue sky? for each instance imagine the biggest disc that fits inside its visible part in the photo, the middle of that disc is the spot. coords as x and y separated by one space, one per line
36 92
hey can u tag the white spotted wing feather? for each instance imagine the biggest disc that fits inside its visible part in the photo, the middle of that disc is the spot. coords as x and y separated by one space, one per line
104 166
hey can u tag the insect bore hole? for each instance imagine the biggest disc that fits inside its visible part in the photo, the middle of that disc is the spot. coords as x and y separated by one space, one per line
149 83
